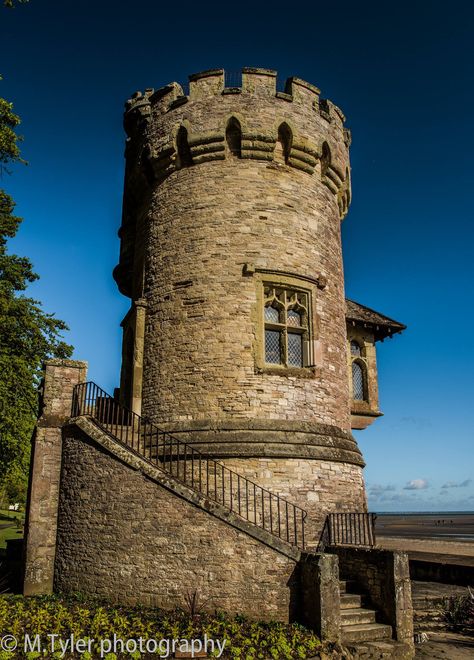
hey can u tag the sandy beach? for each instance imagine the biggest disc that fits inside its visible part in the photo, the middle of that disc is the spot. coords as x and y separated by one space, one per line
439 533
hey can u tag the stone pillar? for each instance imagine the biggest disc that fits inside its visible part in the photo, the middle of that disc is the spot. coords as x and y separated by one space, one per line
131 377
60 377
403 601
321 603
137 379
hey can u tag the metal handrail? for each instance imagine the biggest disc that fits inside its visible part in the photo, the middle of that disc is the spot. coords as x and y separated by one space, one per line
348 529
192 467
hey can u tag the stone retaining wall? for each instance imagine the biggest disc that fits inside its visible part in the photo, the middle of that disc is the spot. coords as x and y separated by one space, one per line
124 537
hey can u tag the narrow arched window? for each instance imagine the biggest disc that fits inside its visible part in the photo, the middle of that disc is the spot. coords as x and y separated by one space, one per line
182 145
358 382
325 158
233 136
283 145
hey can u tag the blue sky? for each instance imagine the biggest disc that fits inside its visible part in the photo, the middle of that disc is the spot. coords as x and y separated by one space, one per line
402 73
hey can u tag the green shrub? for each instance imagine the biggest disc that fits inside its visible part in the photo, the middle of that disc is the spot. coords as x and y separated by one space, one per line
85 618
458 611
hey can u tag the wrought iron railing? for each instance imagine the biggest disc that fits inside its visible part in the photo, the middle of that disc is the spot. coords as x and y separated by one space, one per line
350 529
232 78
192 467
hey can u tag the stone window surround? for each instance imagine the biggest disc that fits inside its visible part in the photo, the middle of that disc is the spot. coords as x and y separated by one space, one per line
357 362
367 358
361 360
307 285
287 317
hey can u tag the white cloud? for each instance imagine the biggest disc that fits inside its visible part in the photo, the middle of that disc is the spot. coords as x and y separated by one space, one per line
376 490
455 484
417 484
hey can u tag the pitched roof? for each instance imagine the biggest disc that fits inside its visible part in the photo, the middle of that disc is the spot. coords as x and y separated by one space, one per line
382 326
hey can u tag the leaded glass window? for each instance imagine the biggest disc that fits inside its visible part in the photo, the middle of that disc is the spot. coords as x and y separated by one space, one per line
294 318
286 316
272 314
358 382
272 346
295 350
358 364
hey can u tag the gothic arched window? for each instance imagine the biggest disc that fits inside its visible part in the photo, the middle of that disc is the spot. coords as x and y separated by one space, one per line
283 145
233 136
182 145
286 318
325 158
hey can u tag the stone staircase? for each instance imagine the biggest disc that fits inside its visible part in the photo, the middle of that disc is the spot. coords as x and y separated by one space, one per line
358 623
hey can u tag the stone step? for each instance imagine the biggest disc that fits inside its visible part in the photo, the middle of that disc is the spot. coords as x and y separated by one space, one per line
350 601
365 632
357 615
346 586
387 649
428 620
427 616
428 626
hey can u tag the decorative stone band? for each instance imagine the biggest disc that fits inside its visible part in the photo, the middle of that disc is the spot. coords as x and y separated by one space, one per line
258 146
210 146
303 155
268 438
207 146
161 161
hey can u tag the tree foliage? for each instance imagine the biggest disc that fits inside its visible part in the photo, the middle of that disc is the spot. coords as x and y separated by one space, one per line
12 3
28 335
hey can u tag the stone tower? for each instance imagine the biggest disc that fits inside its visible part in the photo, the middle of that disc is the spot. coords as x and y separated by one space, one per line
239 341
231 254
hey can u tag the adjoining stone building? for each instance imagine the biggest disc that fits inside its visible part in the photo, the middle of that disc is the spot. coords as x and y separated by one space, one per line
228 444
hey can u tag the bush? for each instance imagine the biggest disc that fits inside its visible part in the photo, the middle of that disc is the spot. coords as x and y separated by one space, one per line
458 611
67 615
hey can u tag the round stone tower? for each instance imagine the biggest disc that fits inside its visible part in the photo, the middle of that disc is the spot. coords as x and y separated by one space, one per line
231 255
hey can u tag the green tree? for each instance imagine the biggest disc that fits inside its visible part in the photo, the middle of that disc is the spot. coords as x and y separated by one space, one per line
12 3
28 335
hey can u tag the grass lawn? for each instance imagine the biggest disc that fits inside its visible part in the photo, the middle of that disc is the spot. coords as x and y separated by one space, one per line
7 533
5 514
8 526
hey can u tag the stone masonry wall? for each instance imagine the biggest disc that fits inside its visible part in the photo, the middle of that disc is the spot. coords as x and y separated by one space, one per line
124 537
201 337
319 487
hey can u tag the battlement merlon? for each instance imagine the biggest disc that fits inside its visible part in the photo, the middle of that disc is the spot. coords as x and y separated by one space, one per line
204 84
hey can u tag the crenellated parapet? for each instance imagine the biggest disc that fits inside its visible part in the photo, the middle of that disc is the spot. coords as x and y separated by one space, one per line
169 130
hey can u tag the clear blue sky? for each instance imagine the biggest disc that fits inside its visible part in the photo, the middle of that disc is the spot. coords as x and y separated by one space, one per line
402 72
